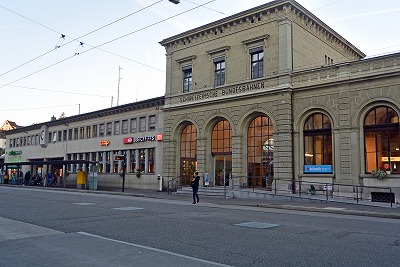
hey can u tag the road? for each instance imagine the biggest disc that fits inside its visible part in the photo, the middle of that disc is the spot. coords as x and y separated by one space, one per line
47 228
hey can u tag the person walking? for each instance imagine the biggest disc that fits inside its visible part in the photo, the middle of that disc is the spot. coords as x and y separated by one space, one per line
195 187
27 178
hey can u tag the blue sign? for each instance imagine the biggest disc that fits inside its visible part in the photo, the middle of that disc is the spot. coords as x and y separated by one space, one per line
317 168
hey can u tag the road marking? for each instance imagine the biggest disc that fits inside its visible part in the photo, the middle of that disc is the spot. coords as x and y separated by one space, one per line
333 208
155 249
127 208
258 225
84 203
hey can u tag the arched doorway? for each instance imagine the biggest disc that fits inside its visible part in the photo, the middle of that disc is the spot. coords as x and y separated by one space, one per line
260 148
221 150
188 154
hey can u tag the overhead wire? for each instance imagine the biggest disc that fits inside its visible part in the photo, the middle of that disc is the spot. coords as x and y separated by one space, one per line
63 35
56 91
113 40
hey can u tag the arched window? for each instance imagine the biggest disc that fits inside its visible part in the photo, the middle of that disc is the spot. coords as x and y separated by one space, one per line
260 148
221 138
188 153
382 140
317 134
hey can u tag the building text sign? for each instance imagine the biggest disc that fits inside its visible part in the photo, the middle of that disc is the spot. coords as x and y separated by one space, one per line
317 168
131 140
223 92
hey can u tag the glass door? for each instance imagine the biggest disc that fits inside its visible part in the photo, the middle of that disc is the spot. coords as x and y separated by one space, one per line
222 170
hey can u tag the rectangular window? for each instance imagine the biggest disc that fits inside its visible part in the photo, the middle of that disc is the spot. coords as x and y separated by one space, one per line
101 130
142 124
28 142
132 164
152 122
187 79
109 128
94 130
69 134
76 133
257 62
133 125
59 136
108 161
125 126
50 137
117 128
150 164
65 135
87 131
81 132
219 71
142 159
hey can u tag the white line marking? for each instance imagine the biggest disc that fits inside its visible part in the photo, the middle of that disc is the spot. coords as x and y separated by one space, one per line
155 249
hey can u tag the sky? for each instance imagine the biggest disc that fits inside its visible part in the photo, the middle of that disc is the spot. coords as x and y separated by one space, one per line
110 53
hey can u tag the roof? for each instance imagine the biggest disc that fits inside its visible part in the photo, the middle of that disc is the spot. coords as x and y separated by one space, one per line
271 6
153 102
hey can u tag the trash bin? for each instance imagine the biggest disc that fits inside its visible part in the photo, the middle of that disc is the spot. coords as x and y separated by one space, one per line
81 180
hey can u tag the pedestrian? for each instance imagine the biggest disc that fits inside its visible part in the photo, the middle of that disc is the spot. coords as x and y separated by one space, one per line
195 187
27 178
6 177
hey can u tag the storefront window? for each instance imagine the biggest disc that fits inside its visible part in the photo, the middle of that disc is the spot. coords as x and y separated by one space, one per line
150 165
108 161
382 140
188 153
260 148
318 143
142 160
101 164
132 163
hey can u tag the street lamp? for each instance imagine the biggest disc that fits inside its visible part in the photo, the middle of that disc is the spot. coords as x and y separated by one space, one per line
174 1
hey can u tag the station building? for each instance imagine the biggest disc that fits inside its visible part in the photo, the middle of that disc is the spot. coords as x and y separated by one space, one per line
273 93
133 130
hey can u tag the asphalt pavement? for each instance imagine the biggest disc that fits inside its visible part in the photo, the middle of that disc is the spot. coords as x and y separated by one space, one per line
383 210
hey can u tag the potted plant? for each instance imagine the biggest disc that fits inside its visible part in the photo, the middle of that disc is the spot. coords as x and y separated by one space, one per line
378 173
138 173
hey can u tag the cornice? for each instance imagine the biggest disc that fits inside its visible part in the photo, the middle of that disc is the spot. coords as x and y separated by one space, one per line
273 11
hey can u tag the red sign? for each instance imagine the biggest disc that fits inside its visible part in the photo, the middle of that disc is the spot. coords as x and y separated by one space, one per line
159 137
128 140
104 142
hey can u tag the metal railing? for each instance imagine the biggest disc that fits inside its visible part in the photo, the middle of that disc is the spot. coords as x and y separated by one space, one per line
173 184
312 189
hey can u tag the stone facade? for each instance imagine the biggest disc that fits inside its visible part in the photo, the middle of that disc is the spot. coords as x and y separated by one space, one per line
308 67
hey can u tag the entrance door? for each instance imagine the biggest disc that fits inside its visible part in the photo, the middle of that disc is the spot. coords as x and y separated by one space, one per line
222 170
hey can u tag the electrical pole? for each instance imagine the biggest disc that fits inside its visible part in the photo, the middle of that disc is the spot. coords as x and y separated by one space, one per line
119 79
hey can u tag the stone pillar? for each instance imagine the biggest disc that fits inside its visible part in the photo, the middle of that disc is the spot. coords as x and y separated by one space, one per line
111 161
238 172
137 159
285 51
202 166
